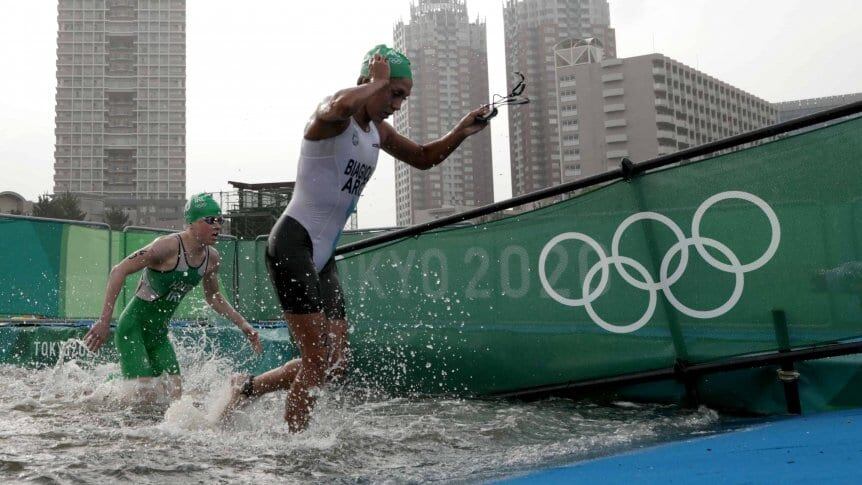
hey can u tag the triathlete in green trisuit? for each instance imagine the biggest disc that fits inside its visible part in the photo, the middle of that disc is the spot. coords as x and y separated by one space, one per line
172 265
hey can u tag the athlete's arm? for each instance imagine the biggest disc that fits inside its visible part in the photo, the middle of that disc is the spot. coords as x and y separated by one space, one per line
431 154
220 305
154 254
333 115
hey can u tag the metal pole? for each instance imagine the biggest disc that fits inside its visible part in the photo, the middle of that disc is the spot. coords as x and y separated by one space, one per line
684 372
49 219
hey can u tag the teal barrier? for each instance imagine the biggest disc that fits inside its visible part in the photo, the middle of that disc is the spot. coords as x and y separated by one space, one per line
682 264
44 345
685 263
50 267
31 267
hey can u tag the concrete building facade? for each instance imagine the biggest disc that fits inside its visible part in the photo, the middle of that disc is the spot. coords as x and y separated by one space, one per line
533 28
449 57
788 110
121 105
640 107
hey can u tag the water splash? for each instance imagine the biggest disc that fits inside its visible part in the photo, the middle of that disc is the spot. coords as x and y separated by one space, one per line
78 421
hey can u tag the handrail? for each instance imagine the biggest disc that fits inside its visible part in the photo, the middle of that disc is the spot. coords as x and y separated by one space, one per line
228 237
63 221
371 229
145 228
683 372
626 171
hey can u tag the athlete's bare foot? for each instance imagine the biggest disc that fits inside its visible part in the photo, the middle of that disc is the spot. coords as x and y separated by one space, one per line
239 396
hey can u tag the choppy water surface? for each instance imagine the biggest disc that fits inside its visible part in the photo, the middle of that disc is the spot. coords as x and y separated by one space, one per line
71 423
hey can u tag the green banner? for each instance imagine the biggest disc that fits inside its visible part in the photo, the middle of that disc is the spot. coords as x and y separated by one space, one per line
85 270
685 263
31 255
257 296
46 345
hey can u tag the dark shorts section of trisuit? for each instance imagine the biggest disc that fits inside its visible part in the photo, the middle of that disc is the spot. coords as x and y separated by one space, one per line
290 262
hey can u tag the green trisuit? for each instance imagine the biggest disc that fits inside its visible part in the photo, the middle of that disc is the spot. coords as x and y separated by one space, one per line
142 332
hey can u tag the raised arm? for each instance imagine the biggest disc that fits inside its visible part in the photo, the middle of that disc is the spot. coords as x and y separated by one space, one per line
430 154
154 254
214 298
333 115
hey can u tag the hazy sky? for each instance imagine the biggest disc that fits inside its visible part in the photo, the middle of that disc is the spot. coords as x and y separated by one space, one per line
255 74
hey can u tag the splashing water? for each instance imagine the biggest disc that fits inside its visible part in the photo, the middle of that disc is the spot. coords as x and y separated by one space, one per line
78 422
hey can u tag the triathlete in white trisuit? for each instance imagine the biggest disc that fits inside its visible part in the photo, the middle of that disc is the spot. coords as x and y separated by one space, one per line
338 155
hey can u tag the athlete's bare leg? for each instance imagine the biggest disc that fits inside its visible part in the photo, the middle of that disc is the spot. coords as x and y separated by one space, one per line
338 355
154 390
173 386
243 391
309 331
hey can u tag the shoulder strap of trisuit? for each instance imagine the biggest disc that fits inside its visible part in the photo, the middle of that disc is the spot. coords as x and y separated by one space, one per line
181 253
206 264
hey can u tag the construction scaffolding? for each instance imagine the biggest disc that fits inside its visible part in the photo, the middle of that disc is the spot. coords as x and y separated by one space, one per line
252 209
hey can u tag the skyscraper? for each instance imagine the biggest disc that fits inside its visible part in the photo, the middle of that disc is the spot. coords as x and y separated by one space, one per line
450 77
121 105
532 29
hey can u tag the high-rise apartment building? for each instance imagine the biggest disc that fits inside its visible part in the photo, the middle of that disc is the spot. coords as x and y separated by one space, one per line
449 57
788 110
121 105
532 30
640 107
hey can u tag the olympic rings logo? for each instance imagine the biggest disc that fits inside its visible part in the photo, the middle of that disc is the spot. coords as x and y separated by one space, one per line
667 279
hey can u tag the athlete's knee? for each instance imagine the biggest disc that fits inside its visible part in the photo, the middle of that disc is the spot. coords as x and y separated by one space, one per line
338 356
314 374
313 352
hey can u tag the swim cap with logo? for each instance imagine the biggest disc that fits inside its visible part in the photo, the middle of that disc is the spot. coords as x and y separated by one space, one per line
399 64
201 205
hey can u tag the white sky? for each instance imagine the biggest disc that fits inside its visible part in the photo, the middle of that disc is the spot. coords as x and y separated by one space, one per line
256 73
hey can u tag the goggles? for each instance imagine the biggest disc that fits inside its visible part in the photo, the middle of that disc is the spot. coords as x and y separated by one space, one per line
515 97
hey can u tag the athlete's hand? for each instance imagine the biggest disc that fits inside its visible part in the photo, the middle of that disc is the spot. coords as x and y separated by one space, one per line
378 70
470 124
97 335
253 338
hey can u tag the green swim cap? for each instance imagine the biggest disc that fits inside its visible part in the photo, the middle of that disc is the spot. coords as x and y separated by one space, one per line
399 64
201 205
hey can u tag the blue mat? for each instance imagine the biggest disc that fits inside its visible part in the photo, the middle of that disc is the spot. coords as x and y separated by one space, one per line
821 448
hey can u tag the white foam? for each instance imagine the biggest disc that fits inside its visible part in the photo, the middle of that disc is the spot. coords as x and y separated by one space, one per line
185 414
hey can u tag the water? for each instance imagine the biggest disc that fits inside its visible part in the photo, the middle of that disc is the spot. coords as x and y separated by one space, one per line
72 423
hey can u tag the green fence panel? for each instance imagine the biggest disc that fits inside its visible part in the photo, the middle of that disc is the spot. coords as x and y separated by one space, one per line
776 221
685 263
257 296
266 300
247 280
46 345
117 255
86 267
31 265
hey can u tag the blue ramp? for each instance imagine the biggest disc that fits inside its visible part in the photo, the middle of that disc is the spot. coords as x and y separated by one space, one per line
822 448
